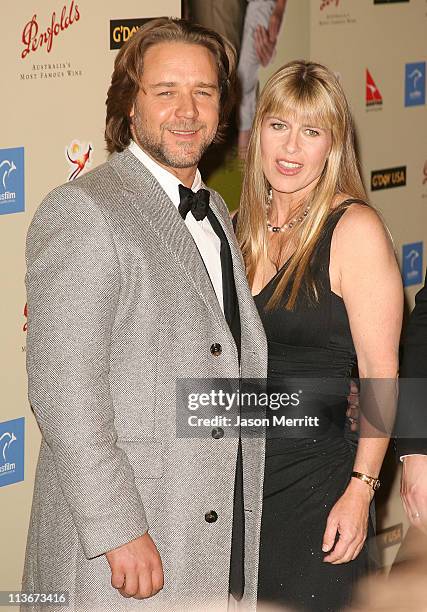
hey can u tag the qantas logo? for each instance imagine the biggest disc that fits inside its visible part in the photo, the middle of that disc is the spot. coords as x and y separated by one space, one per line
373 94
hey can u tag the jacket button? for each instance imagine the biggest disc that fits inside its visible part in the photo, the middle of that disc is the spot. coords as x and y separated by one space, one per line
217 433
216 349
211 516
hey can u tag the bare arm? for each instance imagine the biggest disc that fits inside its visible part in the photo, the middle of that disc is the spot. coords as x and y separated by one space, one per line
368 279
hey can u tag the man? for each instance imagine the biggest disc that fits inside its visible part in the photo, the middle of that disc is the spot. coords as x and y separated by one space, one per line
130 287
412 417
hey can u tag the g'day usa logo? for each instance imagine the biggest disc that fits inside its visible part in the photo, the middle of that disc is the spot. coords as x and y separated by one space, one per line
415 84
388 178
12 197
122 29
12 437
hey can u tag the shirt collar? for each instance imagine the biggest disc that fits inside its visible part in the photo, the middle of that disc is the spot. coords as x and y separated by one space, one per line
168 181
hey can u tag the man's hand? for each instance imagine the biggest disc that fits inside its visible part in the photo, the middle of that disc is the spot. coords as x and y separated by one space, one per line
413 490
136 568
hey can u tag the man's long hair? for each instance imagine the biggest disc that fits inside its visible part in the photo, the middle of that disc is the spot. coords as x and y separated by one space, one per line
129 67
310 91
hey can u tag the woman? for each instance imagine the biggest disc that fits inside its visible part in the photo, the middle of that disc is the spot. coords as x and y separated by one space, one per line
328 289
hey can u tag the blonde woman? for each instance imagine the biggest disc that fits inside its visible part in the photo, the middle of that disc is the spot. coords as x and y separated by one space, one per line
325 279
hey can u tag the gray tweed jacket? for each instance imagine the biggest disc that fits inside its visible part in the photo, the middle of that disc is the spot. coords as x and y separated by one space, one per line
119 307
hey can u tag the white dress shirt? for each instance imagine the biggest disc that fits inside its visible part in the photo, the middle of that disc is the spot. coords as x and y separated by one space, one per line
207 242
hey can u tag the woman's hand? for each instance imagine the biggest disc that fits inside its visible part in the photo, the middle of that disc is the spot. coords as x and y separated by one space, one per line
348 517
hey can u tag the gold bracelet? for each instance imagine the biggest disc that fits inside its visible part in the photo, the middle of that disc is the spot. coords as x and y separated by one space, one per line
370 480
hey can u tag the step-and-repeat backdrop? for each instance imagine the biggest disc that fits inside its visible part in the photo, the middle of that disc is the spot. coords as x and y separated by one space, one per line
378 50
57 59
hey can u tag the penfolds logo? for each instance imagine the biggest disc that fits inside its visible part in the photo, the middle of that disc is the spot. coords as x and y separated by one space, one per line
25 326
33 38
326 3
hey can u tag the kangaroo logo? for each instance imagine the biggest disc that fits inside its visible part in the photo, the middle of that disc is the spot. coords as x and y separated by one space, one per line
5 441
412 256
78 158
415 75
9 167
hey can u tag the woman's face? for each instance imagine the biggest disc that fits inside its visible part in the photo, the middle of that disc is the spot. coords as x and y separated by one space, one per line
293 154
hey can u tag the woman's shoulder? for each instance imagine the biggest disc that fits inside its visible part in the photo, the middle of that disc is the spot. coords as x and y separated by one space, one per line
358 214
360 227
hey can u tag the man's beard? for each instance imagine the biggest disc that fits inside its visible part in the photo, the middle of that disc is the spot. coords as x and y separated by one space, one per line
159 151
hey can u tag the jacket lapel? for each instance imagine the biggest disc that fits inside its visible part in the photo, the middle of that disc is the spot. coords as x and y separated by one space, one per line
148 197
252 330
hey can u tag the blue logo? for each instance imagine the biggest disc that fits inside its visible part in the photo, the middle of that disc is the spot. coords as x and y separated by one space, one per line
415 84
412 264
12 196
12 440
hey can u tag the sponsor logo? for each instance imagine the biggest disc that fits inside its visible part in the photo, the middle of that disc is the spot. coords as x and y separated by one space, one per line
388 178
12 197
424 179
78 156
373 94
34 38
390 537
412 263
122 29
58 70
12 451
415 84
325 3
25 326
336 17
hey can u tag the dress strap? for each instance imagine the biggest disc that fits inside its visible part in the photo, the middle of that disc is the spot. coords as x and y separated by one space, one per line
353 201
322 252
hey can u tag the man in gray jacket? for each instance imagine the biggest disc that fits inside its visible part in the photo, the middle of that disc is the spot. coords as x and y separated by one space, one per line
134 281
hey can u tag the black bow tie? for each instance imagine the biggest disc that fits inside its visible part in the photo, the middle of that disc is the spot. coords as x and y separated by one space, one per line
197 202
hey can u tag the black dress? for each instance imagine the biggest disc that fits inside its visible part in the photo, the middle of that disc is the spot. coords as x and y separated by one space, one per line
308 467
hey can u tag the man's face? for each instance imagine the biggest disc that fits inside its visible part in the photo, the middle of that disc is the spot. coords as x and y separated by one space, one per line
176 111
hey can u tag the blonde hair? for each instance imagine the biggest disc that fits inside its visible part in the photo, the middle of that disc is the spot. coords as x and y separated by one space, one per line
310 91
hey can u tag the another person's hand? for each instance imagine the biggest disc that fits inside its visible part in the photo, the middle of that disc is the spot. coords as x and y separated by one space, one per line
275 22
266 38
413 490
349 519
264 47
353 406
136 568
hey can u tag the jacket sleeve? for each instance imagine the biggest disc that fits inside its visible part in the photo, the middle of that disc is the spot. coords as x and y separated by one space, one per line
412 412
73 284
